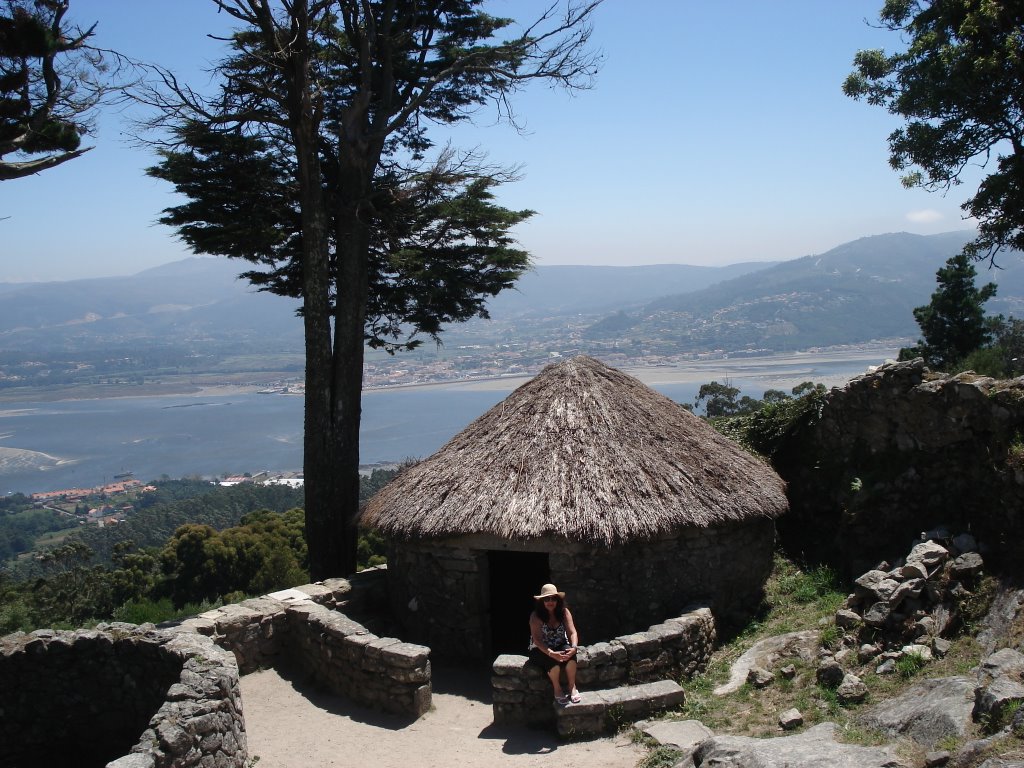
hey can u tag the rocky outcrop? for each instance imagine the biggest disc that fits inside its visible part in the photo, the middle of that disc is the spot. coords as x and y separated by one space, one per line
765 654
814 748
927 712
894 451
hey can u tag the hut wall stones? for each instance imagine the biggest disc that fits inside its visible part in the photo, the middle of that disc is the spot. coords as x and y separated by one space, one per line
440 589
724 567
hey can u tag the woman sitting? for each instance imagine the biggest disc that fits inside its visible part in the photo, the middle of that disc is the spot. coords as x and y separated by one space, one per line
553 641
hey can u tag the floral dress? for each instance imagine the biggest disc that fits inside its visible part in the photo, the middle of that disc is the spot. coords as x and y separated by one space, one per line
555 638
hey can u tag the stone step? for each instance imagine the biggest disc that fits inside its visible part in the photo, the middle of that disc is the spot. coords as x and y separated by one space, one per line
602 712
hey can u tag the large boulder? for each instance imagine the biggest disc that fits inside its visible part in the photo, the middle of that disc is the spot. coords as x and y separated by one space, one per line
927 712
814 748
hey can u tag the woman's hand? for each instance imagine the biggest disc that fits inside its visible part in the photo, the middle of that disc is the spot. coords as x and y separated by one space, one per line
565 655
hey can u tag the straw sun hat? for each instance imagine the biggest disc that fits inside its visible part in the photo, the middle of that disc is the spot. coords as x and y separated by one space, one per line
549 590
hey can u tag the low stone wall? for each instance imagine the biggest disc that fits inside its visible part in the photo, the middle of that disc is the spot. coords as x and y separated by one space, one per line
677 648
379 672
121 696
307 626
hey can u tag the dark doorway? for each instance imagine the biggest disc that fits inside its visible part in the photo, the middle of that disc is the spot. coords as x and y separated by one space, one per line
515 577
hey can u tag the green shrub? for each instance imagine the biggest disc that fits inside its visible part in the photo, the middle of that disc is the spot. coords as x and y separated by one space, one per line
909 665
829 636
156 611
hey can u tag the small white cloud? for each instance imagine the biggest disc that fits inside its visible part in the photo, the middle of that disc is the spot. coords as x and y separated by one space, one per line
925 216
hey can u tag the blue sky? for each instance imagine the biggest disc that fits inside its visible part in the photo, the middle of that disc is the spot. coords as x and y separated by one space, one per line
717 132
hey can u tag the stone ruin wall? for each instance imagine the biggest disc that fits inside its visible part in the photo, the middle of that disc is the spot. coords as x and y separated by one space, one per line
141 697
901 451
121 696
611 591
307 627
677 648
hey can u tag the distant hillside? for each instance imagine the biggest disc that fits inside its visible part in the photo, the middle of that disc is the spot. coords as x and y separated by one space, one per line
191 301
859 291
200 302
585 289
197 307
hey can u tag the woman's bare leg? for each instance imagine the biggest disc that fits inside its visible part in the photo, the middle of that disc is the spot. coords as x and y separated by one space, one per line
570 674
555 675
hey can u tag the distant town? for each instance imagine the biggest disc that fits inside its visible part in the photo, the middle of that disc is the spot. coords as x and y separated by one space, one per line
112 503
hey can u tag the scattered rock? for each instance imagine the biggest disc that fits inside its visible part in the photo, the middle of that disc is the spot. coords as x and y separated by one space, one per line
788 672
929 554
830 673
941 646
843 654
791 719
759 677
869 580
1004 662
852 690
887 667
992 700
936 759
847 619
681 734
964 542
877 614
911 588
967 565
914 571
867 652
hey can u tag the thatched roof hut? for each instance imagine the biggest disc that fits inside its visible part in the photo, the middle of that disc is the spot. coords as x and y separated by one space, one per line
582 458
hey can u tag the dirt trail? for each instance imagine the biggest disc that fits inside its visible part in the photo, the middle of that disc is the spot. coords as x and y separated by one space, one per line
292 725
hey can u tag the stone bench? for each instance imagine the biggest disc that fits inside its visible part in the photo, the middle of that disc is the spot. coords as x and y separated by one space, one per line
602 712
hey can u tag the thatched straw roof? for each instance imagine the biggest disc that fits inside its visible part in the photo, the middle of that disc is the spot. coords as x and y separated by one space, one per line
584 451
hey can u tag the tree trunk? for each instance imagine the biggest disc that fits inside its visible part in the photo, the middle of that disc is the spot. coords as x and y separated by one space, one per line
352 287
319 443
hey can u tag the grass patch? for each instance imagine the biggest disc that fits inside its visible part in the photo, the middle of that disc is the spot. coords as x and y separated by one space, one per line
156 611
909 665
661 757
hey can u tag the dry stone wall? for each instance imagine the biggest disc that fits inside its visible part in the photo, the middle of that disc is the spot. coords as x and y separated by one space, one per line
640 583
439 590
676 648
121 696
306 625
901 451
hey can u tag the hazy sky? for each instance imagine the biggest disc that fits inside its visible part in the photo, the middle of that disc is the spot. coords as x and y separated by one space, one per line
717 132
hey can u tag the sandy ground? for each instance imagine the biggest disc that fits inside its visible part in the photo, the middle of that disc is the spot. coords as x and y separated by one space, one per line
289 724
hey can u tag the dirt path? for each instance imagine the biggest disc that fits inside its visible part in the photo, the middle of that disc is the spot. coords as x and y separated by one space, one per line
291 725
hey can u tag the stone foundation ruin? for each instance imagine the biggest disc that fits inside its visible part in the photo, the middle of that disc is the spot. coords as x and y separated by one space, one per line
121 696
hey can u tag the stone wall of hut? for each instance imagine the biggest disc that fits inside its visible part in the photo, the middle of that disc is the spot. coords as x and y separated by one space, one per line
439 590
642 583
